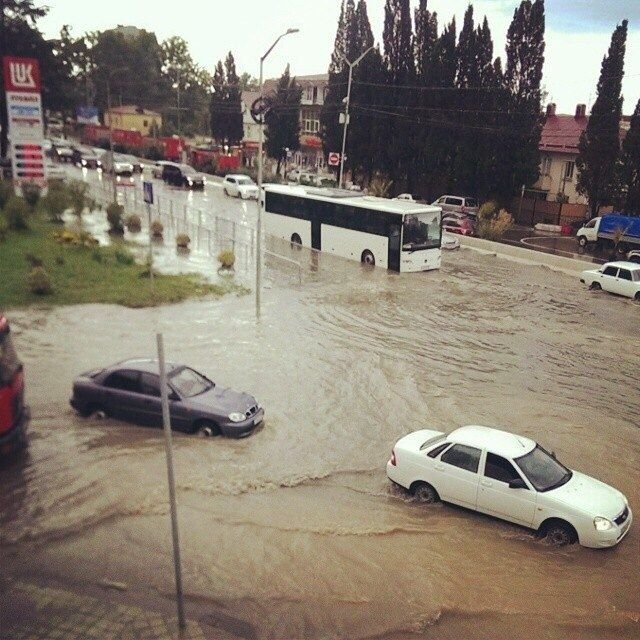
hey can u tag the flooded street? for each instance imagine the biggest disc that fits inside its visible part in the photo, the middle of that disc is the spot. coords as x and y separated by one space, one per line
295 532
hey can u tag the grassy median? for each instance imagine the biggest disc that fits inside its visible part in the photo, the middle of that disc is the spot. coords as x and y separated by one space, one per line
85 274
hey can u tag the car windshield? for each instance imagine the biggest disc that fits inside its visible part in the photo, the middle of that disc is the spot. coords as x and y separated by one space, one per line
471 202
421 231
543 470
245 181
189 383
187 170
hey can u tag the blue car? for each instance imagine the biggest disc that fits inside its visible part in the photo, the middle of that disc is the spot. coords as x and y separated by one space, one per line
130 391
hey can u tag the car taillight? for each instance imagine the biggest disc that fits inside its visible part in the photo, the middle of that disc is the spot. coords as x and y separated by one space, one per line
392 459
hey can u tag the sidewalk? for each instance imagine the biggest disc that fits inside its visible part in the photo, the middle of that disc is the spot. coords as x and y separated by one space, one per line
32 612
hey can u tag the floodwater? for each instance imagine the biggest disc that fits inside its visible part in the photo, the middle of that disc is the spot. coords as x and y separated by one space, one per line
295 532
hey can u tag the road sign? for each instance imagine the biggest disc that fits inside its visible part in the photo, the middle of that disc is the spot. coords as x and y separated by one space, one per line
333 159
147 192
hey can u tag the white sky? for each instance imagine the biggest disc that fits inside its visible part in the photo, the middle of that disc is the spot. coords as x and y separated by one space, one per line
577 37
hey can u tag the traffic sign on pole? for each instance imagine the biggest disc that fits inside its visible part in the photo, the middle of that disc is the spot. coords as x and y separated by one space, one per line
334 159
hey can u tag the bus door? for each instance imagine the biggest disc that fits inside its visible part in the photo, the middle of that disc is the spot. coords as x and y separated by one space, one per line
393 259
315 235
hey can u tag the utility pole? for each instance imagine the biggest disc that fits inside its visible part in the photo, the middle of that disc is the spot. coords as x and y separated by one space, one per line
113 173
346 112
260 195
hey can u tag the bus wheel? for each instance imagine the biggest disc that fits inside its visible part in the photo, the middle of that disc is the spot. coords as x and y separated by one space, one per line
296 239
367 257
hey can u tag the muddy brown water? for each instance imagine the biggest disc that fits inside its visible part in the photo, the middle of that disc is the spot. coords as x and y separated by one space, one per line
295 532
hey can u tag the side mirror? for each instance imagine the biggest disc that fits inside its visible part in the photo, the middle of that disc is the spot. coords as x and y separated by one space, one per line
517 483
553 455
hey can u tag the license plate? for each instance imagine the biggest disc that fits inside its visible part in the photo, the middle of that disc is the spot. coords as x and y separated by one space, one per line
257 421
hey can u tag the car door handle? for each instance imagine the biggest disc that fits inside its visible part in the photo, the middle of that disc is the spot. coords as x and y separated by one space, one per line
486 483
439 467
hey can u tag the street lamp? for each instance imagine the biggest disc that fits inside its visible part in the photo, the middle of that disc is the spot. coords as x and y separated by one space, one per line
109 75
346 111
260 140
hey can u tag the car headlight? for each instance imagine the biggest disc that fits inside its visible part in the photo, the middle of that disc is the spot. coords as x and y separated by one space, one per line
602 524
237 416
190 181
84 163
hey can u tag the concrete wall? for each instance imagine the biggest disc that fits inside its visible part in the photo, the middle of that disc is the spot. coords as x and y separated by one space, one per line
571 266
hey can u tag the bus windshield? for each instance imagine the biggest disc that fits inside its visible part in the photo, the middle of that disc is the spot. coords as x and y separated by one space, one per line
420 231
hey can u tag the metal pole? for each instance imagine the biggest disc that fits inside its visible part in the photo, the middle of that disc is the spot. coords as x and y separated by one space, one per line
259 225
346 124
150 246
166 419
113 173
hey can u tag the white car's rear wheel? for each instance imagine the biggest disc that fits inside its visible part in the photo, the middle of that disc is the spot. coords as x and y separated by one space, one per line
424 492
595 286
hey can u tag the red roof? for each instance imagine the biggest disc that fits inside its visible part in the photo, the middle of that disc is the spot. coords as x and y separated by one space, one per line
562 133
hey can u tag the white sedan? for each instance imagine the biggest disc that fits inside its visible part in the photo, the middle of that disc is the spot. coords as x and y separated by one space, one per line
622 278
449 241
240 186
512 478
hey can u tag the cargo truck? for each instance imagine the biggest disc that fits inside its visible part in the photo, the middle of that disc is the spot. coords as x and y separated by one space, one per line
618 231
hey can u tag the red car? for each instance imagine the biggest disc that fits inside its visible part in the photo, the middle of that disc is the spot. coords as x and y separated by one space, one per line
461 227
14 414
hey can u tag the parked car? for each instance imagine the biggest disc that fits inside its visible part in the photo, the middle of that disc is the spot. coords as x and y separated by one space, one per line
634 256
62 150
461 227
512 478
138 165
458 204
457 217
294 175
406 196
158 167
14 413
130 391
622 278
119 165
182 175
85 158
449 241
240 186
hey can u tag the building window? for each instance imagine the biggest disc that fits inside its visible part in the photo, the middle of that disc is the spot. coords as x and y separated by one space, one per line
145 123
325 91
310 125
546 165
568 170
315 94
309 93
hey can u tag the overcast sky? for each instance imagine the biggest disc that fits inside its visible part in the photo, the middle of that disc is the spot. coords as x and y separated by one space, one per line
578 33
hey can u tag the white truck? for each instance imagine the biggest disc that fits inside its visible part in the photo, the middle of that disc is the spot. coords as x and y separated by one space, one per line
619 231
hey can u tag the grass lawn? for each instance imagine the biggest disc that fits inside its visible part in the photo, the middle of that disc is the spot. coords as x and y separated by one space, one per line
88 274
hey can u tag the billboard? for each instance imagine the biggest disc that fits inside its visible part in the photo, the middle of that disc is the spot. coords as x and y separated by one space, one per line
87 115
26 129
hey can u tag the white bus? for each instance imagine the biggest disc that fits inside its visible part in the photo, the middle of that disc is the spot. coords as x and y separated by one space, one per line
395 234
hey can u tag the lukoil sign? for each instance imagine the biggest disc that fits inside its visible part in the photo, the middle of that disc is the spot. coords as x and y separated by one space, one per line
21 74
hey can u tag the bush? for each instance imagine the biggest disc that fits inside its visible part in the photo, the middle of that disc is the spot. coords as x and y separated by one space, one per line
39 282
6 191
227 258
494 228
55 203
488 211
157 228
124 257
115 214
133 223
16 213
182 241
31 194
75 238
380 187
78 199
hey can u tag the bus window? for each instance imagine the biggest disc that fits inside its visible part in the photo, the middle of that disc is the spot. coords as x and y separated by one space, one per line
420 231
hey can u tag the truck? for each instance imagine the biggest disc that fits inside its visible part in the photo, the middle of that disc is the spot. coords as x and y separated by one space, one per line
621 232
14 413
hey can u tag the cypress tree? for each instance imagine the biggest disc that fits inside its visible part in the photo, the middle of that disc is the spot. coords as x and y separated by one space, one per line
336 91
523 76
234 129
631 165
599 144
217 109
283 118
400 66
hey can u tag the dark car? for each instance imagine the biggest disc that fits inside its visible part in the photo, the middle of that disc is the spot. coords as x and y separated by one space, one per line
82 157
461 227
130 391
182 175
14 413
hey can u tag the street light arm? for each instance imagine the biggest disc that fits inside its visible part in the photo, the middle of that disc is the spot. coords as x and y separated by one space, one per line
270 49
357 60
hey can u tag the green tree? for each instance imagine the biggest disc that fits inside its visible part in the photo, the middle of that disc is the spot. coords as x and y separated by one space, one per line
248 82
235 130
599 144
631 165
520 156
283 118
217 107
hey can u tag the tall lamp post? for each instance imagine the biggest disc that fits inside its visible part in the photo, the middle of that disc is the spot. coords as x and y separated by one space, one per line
109 75
260 141
346 111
